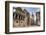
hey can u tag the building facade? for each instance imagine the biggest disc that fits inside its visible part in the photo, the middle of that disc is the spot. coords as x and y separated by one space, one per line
21 18
38 18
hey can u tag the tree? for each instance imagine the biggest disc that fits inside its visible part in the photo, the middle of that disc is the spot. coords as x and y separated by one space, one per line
18 9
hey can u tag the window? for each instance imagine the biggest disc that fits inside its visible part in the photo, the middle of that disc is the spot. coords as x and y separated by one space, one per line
16 16
16 21
19 17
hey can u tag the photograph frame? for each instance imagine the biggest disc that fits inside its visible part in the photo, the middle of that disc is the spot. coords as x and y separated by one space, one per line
7 16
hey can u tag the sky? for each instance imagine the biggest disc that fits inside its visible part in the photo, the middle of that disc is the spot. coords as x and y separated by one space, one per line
32 10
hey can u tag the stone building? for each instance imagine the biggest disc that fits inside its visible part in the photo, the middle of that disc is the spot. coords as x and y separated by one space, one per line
38 18
21 18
